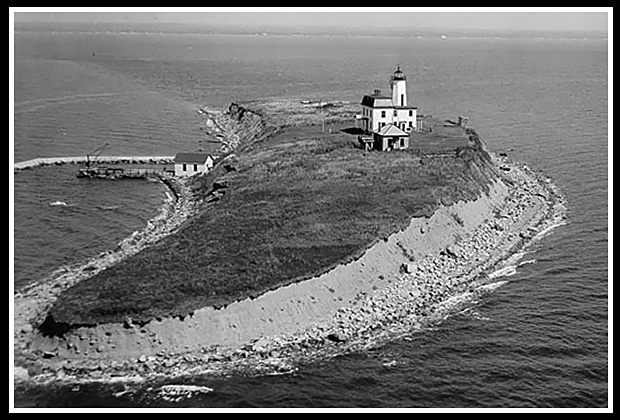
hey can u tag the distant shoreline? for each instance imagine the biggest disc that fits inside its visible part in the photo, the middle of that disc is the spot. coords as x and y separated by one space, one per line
169 28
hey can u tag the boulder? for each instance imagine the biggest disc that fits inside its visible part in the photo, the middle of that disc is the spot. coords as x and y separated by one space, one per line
406 268
261 346
220 183
452 251
48 354
127 323
336 337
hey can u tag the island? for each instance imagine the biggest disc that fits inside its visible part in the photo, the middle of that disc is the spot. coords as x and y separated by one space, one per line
319 230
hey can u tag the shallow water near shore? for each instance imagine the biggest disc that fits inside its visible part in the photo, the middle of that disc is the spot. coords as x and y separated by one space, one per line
69 220
538 339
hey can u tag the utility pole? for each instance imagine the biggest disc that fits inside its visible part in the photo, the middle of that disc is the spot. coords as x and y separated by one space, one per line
322 116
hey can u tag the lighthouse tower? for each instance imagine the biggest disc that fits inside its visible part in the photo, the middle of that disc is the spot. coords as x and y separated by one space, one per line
398 84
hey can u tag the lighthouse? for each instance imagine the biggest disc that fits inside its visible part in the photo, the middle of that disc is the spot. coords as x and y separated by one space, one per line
388 120
398 84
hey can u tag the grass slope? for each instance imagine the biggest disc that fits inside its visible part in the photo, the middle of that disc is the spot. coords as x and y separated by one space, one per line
295 206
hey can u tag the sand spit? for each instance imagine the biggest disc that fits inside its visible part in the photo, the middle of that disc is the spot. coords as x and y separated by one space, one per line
413 279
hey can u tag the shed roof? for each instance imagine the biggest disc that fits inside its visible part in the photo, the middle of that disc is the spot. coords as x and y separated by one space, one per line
391 130
183 157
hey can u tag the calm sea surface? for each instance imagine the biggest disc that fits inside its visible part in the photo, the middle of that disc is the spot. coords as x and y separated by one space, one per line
539 340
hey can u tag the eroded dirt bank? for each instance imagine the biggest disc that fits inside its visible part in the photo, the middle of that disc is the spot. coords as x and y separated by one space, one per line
397 285
289 308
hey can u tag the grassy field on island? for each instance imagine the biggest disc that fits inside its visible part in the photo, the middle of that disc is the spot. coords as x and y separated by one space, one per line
296 205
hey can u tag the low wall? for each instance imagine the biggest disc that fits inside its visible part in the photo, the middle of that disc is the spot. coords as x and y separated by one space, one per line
33 163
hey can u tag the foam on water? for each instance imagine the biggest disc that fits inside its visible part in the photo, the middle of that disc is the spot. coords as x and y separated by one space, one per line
508 271
555 223
176 393
532 261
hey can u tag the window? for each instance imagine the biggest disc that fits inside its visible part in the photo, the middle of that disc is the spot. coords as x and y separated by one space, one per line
410 124
184 167
195 168
382 114
411 113
395 113
402 100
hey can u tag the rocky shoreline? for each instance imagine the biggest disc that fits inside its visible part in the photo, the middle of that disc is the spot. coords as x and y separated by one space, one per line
32 303
424 290
422 294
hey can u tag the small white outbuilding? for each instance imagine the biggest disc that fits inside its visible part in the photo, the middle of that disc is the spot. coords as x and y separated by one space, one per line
188 164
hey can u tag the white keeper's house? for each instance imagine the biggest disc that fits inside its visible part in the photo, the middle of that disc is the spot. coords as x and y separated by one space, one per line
388 120
188 164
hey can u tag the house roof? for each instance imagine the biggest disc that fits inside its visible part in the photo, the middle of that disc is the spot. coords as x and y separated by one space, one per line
182 157
391 130
375 101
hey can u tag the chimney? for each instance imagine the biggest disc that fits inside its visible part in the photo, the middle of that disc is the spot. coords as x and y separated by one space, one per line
377 92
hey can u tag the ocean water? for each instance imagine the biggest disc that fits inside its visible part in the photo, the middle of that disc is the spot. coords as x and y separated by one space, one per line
539 339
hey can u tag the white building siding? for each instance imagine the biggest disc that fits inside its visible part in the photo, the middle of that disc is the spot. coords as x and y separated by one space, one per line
399 93
380 117
190 168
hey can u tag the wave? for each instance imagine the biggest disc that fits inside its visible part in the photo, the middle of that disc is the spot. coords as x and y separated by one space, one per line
510 266
176 393
556 222
508 271
487 288
473 314
58 203
470 297
532 261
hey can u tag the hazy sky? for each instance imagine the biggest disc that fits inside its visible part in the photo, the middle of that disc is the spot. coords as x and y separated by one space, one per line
354 18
